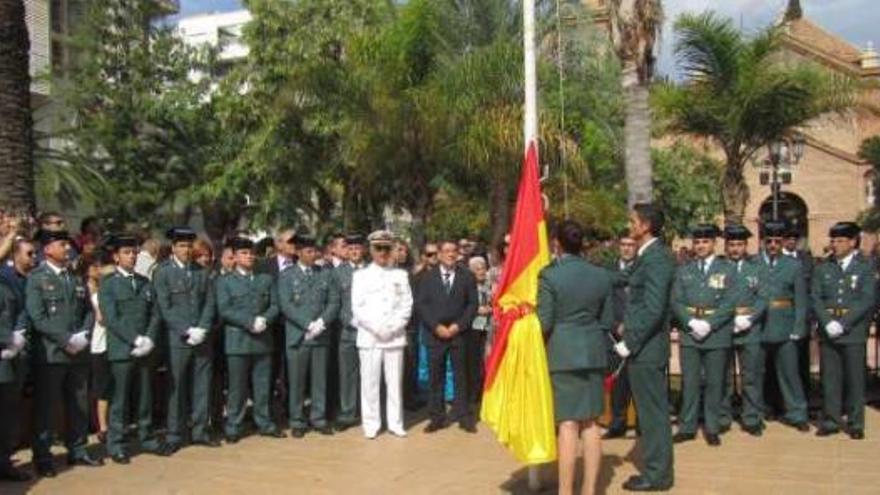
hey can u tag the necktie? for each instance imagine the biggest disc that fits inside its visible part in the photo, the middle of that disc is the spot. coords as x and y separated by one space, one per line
739 266
703 267
447 282
132 282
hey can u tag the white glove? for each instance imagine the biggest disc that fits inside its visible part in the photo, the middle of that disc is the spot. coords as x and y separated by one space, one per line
77 342
196 336
834 329
143 345
138 352
794 337
741 323
700 328
260 325
18 340
317 327
621 349
7 354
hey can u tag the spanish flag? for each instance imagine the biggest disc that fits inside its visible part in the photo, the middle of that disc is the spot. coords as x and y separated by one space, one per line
517 395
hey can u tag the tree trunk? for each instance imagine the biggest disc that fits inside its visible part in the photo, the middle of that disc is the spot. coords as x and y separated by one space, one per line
637 127
16 121
734 193
499 214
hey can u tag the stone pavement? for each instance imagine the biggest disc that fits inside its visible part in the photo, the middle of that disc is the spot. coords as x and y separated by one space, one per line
454 462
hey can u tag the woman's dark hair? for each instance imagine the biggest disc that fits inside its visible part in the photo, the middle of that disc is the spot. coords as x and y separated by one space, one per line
650 214
570 236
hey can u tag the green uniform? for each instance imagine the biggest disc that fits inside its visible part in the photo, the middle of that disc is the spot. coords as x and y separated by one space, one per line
241 298
10 375
704 293
128 304
304 296
575 307
785 324
349 363
58 308
646 334
845 296
186 300
752 302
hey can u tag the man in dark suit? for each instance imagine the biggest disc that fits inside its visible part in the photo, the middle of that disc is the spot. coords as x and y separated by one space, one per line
646 346
447 303
620 394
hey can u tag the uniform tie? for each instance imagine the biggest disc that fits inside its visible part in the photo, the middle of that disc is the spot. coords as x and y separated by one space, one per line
447 282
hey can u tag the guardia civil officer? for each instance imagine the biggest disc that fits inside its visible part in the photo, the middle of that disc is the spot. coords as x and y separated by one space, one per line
751 307
843 300
309 301
785 323
185 294
248 307
349 372
131 316
703 298
61 316
12 344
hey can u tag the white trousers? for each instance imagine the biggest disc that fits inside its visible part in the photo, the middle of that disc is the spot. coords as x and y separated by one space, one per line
373 361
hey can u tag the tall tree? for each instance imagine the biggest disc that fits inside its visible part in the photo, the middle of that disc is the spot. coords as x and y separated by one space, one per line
635 28
16 121
738 95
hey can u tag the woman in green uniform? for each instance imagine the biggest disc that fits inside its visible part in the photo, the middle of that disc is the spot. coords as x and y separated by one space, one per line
576 313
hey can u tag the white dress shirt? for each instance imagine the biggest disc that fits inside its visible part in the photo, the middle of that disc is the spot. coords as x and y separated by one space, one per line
381 305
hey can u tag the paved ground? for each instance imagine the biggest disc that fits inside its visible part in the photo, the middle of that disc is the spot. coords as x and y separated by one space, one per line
453 462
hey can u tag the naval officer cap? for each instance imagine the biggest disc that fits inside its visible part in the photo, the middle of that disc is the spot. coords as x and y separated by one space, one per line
705 231
850 230
118 241
774 229
303 240
355 239
736 232
180 234
46 237
381 238
239 243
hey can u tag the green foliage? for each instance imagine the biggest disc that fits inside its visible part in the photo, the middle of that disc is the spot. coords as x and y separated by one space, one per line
686 184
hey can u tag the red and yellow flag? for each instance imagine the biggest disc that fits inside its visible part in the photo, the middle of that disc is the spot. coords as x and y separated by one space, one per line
517 395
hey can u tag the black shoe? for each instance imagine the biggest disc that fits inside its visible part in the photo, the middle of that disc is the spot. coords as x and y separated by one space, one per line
614 433
825 431
801 426
84 460
164 450
46 470
297 432
8 472
232 439
753 430
713 439
341 427
207 442
435 426
324 430
120 458
272 434
723 429
639 484
468 426
857 434
681 437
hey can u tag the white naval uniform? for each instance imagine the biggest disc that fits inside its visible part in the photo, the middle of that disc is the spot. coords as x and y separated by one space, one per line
381 305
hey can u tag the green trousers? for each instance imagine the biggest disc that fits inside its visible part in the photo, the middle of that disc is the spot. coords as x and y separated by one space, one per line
256 369
648 383
843 377
699 367
10 405
307 363
191 370
751 365
349 382
789 379
67 386
131 379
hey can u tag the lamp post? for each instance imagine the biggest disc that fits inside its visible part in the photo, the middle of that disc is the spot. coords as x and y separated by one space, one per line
782 155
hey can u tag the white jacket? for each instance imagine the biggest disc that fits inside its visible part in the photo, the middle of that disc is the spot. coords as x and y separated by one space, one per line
381 304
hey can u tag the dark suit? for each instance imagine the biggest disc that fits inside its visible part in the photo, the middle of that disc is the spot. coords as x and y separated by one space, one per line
620 394
437 306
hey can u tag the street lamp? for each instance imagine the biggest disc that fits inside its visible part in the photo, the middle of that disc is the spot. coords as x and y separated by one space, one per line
782 155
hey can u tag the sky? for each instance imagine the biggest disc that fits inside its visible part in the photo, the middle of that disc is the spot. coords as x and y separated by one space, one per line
855 20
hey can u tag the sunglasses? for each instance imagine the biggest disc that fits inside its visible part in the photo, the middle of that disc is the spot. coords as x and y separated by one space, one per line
774 241
382 248
431 254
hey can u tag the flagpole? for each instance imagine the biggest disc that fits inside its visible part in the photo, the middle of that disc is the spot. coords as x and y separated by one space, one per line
530 132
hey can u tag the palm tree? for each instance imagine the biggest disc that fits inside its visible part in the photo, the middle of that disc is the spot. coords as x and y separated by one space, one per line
738 95
16 121
635 28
